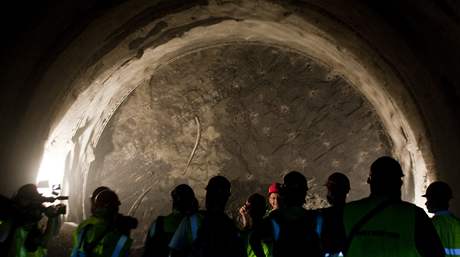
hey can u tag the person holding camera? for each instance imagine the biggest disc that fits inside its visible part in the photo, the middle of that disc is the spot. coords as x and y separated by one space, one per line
28 236
106 232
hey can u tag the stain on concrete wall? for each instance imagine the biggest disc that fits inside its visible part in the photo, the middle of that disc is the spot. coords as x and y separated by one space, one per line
250 112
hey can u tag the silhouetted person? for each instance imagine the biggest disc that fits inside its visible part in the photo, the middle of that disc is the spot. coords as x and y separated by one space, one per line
289 229
329 224
7 214
274 199
28 238
162 230
101 235
252 214
217 235
383 225
438 195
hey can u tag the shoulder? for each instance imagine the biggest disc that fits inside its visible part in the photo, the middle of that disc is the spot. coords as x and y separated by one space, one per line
359 202
91 221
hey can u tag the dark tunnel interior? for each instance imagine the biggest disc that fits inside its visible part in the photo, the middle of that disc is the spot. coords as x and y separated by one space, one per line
144 95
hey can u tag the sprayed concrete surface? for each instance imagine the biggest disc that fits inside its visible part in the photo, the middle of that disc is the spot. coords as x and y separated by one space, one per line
250 112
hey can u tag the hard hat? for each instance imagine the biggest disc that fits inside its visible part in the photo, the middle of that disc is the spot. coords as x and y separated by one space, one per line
274 188
97 191
219 184
27 193
338 181
386 168
106 199
182 192
295 181
440 190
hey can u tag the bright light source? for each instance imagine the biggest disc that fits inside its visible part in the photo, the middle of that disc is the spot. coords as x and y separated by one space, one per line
51 171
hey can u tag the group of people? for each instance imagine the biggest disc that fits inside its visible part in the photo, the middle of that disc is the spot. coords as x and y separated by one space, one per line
378 225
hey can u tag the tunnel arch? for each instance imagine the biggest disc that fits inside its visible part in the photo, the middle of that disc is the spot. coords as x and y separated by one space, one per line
110 78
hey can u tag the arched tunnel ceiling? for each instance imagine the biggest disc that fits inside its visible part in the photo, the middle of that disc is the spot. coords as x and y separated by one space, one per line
99 89
253 111
385 50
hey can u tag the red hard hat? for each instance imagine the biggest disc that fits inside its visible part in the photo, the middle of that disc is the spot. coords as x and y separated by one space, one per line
274 188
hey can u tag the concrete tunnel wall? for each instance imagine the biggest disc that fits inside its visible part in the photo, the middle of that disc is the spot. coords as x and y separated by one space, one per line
124 68
80 90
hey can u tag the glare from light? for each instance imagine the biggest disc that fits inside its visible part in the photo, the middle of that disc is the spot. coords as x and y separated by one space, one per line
51 168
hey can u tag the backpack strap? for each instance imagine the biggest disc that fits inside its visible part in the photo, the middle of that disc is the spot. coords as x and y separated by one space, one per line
276 229
194 224
319 224
364 220
120 244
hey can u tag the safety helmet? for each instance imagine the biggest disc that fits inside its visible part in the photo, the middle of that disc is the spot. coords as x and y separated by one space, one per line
219 184
295 181
338 181
439 190
274 188
385 168
97 191
106 199
27 194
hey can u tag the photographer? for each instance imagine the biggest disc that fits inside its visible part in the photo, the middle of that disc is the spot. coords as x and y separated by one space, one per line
29 236
106 232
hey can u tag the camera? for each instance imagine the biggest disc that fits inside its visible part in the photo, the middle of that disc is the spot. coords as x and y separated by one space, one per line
55 210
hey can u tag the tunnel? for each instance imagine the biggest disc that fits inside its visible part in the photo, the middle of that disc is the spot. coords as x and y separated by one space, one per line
143 95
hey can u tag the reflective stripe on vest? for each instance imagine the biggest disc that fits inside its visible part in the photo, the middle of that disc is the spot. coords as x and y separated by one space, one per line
333 254
119 247
194 226
75 250
448 228
276 230
319 224
452 251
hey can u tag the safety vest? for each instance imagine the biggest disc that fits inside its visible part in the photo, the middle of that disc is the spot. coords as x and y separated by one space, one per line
160 233
329 228
105 242
18 248
448 228
245 235
186 232
293 233
389 233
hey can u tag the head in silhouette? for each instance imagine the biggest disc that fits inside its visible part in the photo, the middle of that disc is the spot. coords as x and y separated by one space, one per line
438 195
274 195
338 187
28 201
217 194
184 199
104 203
385 178
294 189
95 193
256 206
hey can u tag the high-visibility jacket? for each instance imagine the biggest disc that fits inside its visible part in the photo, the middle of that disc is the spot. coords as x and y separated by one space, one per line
160 233
18 249
245 235
389 233
448 228
292 232
105 240
185 234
